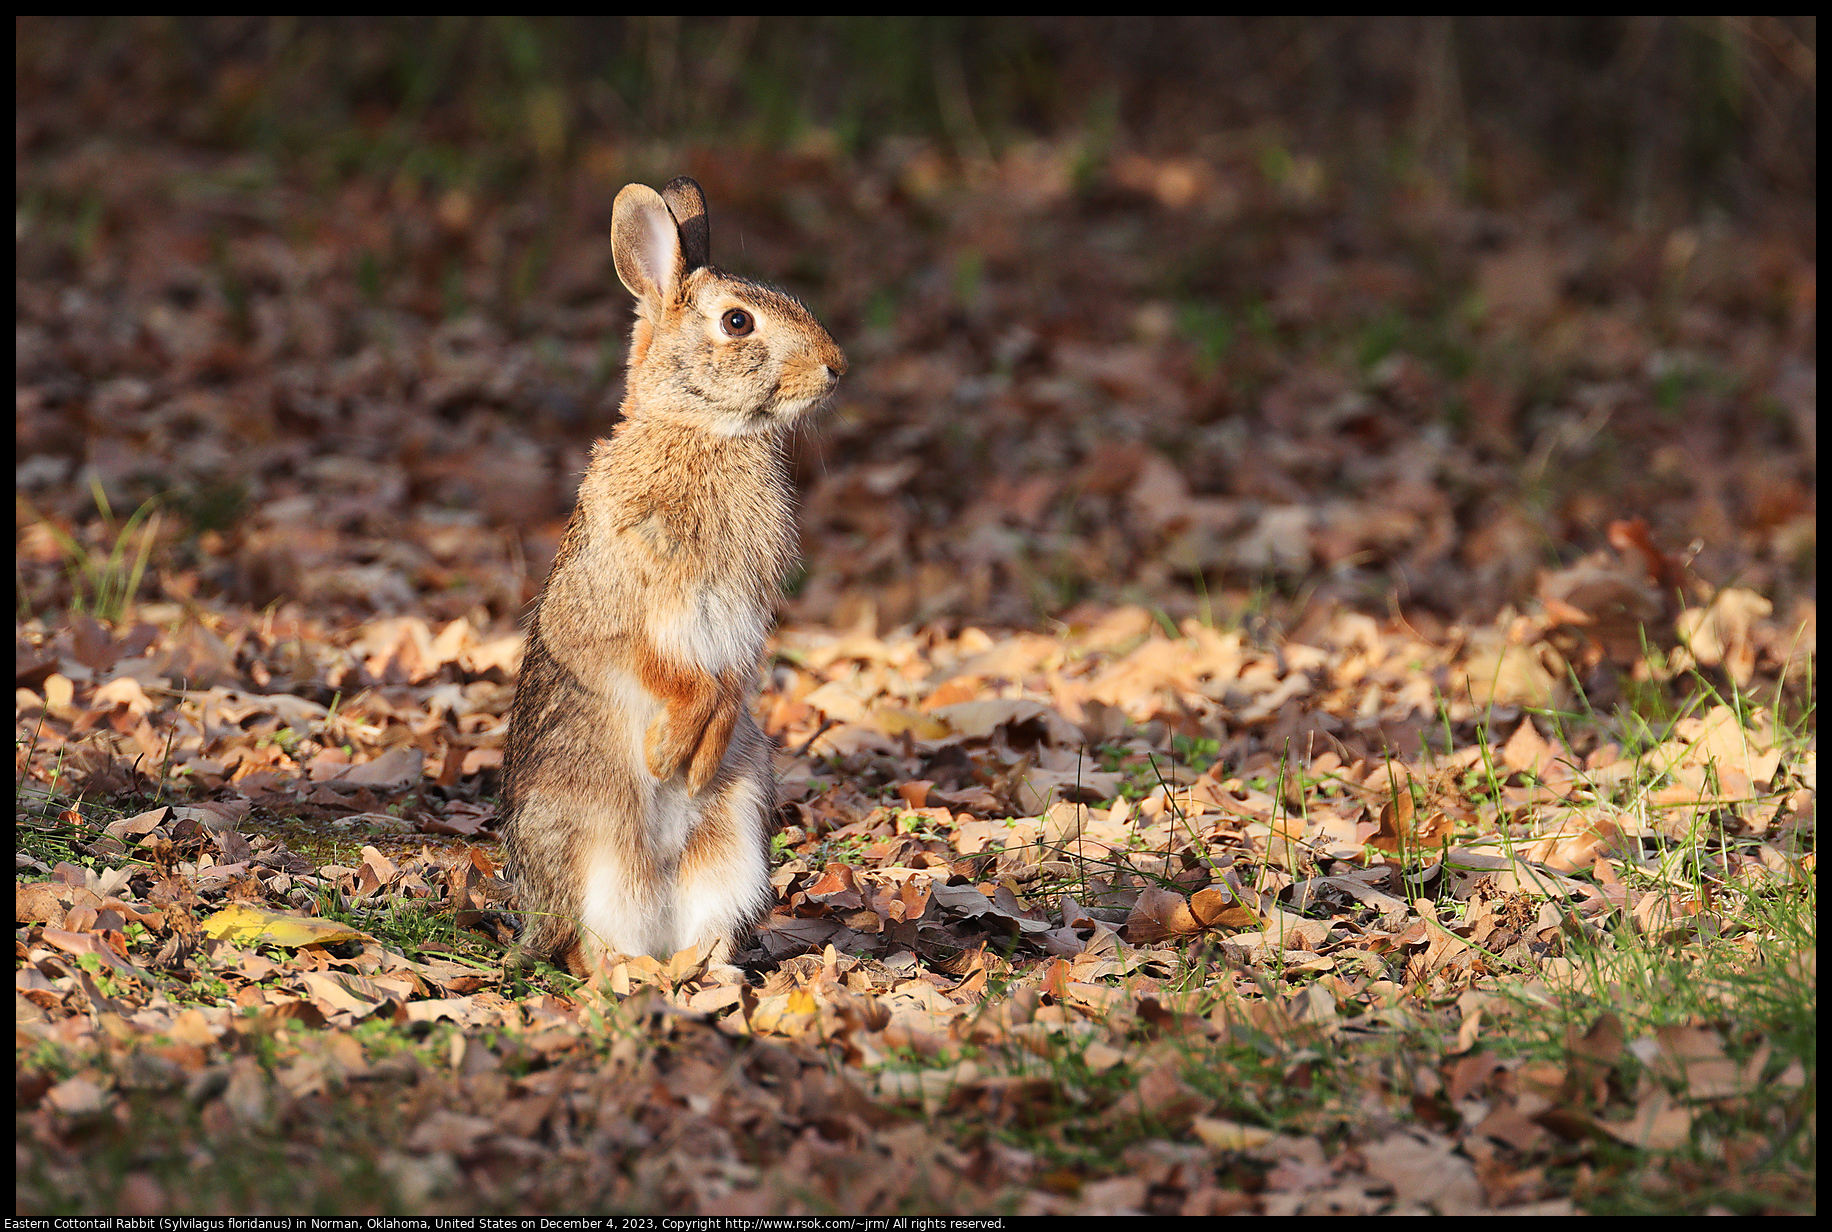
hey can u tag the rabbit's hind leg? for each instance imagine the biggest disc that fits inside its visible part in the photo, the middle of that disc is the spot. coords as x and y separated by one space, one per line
625 905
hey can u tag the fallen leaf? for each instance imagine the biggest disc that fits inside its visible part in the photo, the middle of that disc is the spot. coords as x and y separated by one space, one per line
1223 1135
1423 1168
77 1097
245 923
395 770
1658 1124
1158 914
1217 908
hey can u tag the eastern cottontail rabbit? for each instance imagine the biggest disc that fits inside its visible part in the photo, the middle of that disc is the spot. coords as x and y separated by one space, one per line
638 789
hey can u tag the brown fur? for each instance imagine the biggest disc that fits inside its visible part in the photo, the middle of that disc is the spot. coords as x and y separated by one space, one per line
632 757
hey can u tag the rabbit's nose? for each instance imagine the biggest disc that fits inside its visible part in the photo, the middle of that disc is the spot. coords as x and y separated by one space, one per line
835 368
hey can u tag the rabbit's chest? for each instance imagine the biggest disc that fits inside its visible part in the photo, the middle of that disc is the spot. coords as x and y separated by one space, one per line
714 623
705 586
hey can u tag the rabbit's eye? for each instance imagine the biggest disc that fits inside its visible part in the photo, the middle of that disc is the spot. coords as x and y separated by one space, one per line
738 323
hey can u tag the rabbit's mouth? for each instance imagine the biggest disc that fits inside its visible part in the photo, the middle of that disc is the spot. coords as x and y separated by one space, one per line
776 417
806 380
797 397
795 408
794 395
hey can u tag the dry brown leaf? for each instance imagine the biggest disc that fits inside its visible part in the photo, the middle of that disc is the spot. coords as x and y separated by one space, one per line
1721 632
1694 1058
1527 750
1590 1057
1502 673
1215 907
1425 1169
978 720
1159 1098
395 770
338 992
46 902
451 1132
1158 914
1658 1124
78 1096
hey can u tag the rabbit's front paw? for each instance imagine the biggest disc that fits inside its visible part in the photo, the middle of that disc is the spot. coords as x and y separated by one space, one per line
663 749
711 751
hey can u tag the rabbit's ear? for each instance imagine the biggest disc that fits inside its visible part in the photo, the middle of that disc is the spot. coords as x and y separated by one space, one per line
646 244
688 205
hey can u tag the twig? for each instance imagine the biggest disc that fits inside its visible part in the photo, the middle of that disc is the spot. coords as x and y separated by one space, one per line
825 727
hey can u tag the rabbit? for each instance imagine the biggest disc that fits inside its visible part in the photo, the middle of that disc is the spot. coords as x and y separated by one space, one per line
638 790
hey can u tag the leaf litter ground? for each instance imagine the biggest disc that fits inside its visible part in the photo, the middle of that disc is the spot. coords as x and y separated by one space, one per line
1036 943
1170 823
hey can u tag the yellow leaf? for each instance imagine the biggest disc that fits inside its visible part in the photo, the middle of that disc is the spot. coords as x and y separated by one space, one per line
784 1014
1223 1135
59 693
894 721
244 922
684 963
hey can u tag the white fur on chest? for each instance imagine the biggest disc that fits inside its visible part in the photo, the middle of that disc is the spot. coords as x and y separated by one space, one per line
716 627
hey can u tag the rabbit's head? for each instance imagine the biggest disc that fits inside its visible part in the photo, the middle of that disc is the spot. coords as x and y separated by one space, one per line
722 353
